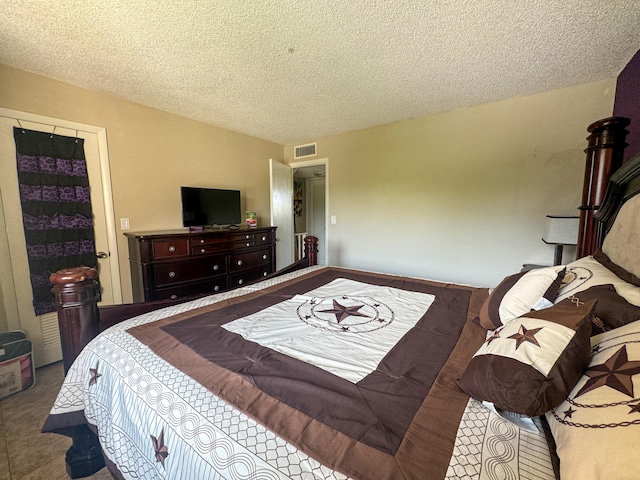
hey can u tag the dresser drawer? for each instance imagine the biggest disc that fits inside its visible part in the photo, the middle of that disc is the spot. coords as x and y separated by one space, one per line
263 238
211 243
169 248
188 270
212 286
239 279
244 261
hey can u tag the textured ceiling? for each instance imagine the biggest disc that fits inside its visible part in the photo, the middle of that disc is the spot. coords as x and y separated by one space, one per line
293 71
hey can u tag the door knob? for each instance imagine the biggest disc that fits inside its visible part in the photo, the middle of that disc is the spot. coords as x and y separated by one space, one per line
102 255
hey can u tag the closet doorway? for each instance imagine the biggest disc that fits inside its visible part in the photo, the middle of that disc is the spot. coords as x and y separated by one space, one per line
311 203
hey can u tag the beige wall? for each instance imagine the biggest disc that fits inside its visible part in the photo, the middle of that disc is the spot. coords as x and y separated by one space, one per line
458 196
151 153
461 196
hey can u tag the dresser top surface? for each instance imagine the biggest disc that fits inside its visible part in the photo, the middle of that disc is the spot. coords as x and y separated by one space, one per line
186 232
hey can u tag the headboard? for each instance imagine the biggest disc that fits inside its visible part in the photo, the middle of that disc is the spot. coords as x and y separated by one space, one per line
623 184
619 219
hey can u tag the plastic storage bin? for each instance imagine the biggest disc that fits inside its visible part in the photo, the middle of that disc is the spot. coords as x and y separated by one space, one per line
17 372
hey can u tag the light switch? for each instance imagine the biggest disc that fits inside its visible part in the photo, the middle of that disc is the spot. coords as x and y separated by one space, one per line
124 223
334 220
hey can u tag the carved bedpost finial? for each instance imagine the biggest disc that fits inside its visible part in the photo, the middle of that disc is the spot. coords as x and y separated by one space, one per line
77 293
311 249
606 144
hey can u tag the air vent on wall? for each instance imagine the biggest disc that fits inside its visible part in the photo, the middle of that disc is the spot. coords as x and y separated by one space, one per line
308 150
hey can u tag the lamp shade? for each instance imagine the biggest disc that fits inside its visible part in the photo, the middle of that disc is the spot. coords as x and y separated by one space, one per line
561 230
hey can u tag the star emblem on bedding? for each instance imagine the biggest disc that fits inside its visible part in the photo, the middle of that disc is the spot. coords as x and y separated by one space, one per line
346 314
634 408
525 335
617 373
494 336
342 311
160 448
93 372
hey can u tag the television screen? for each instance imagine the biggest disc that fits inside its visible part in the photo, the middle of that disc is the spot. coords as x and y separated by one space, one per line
210 206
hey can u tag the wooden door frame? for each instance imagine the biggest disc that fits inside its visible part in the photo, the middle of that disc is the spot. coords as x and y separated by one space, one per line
105 171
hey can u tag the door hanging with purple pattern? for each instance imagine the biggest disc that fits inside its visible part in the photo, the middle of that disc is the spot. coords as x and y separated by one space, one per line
56 208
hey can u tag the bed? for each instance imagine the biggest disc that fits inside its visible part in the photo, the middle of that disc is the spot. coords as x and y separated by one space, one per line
332 373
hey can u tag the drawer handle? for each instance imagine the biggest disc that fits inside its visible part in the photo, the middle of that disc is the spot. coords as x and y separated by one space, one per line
174 296
216 267
172 274
264 239
264 274
239 262
248 244
247 237
216 288
264 257
240 282
202 250
172 248
201 240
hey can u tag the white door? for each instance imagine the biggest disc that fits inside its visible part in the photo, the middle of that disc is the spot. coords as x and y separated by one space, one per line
16 288
281 182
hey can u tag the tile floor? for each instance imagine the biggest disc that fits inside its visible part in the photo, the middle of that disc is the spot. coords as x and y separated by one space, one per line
25 453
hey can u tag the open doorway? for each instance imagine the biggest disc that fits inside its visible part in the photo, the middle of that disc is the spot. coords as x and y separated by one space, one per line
311 205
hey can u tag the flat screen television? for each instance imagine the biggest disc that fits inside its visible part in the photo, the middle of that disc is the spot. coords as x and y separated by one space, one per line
209 207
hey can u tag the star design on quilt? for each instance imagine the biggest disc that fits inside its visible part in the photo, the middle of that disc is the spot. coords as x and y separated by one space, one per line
569 413
341 311
617 373
94 375
525 335
634 408
160 448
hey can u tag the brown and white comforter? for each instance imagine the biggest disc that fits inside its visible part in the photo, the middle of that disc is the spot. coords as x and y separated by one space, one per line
330 374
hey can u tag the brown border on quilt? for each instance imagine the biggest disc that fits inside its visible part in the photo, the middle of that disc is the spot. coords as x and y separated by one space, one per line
426 447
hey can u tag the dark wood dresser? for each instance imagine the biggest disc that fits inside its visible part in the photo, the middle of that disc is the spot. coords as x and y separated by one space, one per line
178 263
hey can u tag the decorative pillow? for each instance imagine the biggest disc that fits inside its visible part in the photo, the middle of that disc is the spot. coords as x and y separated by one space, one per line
621 244
519 294
530 364
586 272
597 428
611 311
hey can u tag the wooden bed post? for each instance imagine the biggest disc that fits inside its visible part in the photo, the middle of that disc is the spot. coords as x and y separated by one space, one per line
604 156
77 293
311 249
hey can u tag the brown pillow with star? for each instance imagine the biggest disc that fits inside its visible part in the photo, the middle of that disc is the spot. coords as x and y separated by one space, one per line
529 365
596 430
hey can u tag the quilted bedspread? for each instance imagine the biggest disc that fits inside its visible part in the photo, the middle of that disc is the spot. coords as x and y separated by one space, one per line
331 374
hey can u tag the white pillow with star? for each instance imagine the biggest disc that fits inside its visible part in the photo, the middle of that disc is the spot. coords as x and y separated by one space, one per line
530 365
597 428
